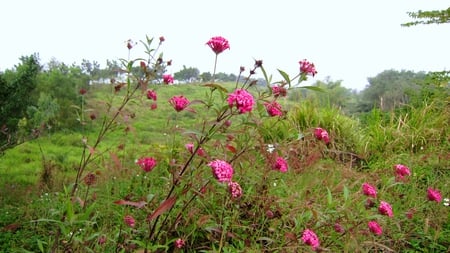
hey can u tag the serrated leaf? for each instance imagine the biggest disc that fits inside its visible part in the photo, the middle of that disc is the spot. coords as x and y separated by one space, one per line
285 76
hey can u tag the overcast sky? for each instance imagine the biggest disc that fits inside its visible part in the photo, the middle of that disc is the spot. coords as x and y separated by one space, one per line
348 40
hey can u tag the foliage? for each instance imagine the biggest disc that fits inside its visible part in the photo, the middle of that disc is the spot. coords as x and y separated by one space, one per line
147 179
187 74
15 96
429 17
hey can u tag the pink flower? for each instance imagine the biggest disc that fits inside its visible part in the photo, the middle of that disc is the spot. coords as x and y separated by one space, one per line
434 195
385 208
218 44
322 134
222 170
153 106
273 109
401 171
375 228
151 94
307 68
83 91
161 39
310 238
129 220
147 163
369 190
242 99
339 228
235 189
101 240
190 148
167 78
179 103
179 243
280 164
278 91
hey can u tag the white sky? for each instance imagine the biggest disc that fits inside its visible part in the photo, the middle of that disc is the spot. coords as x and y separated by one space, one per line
348 40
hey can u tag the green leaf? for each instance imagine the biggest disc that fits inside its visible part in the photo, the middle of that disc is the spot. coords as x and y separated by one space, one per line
329 197
217 86
268 79
346 193
285 76
314 88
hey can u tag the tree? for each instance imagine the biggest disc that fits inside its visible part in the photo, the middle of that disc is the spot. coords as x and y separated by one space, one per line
17 88
187 74
429 17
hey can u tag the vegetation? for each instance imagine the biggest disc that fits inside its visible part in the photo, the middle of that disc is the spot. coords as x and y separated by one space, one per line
140 165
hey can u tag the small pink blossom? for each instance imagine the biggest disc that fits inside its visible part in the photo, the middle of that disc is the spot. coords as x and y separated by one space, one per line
190 148
222 170
434 195
279 91
101 240
129 220
385 208
151 94
273 108
218 44
280 164
307 68
369 190
153 106
83 91
161 39
179 103
401 171
179 243
310 238
167 78
242 99
147 163
375 228
235 189
322 134
339 228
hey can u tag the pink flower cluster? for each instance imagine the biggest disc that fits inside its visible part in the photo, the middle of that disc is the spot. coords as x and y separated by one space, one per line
129 220
151 94
242 99
322 134
385 208
280 164
179 103
307 68
147 163
167 78
273 108
235 189
369 190
279 91
401 171
218 44
222 170
179 243
310 238
375 228
434 195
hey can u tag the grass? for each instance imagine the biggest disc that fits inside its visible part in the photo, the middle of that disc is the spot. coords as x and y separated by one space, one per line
320 191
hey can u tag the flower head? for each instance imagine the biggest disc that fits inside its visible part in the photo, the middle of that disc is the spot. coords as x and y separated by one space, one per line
222 170
179 103
273 108
401 171
190 148
147 163
151 94
278 91
161 39
235 189
242 99
167 78
179 243
434 195
83 91
280 164
385 208
307 68
369 190
310 238
218 44
90 179
375 228
129 220
322 134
